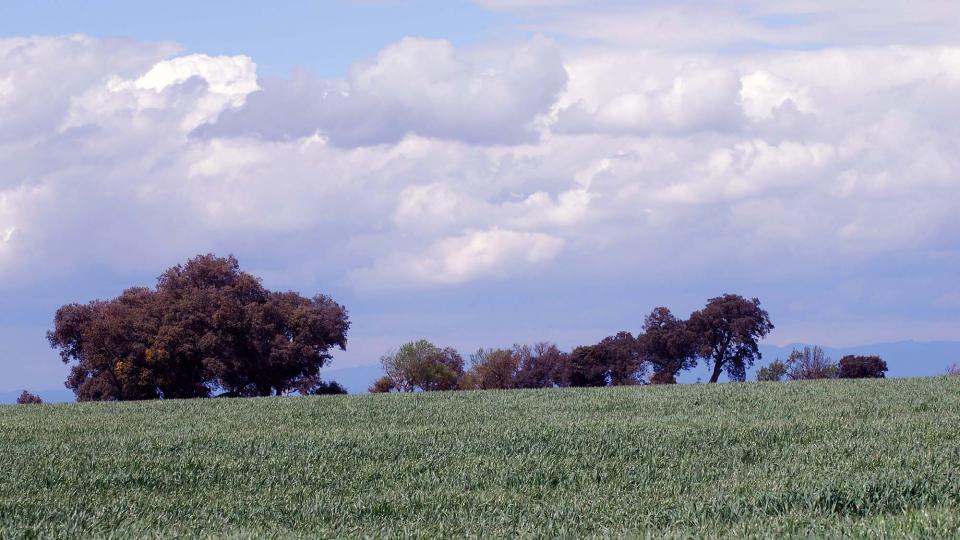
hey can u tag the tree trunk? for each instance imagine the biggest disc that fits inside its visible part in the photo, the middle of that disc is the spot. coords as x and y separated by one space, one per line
717 369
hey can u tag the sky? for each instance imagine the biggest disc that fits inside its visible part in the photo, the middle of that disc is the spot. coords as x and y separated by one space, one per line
490 172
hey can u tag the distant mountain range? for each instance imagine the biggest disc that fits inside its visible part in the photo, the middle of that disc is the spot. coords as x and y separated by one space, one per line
904 358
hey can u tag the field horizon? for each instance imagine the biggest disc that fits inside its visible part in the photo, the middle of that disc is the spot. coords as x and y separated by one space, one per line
864 458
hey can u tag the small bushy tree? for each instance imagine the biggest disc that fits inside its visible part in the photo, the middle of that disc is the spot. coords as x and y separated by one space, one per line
862 367
954 370
585 367
776 371
616 360
620 354
491 369
539 366
668 345
382 385
421 365
810 363
26 398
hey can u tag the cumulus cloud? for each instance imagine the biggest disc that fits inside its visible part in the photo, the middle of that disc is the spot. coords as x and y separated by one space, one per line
42 75
700 97
195 88
415 86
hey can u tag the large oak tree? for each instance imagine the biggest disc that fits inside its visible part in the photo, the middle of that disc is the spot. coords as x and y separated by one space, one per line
207 327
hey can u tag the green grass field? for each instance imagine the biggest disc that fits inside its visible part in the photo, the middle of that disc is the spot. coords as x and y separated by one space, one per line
838 458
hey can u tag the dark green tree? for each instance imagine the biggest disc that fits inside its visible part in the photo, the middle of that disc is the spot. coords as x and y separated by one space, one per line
668 345
862 367
585 367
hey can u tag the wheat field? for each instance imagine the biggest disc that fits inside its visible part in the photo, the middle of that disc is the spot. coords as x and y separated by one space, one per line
870 459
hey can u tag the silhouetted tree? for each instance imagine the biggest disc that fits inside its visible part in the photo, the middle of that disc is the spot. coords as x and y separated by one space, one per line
776 371
810 363
26 398
862 367
421 365
954 370
728 329
539 366
207 326
668 345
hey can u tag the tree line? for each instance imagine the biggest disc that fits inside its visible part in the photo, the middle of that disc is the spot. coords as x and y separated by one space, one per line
209 329
724 335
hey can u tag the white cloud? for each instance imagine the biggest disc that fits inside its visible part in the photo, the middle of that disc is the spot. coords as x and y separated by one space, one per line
195 88
700 97
436 166
458 259
763 94
415 86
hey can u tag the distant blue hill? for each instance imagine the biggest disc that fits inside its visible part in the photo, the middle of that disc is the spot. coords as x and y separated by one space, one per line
904 358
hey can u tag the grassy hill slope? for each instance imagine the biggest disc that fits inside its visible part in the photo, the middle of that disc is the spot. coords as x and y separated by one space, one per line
861 458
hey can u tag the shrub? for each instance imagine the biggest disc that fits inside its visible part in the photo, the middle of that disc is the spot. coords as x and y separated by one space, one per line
862 367
954 370
26 398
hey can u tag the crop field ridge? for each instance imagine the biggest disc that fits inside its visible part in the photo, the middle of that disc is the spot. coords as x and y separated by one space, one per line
860 459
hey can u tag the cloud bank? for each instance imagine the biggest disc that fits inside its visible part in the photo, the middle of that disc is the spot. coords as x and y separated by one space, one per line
428 166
